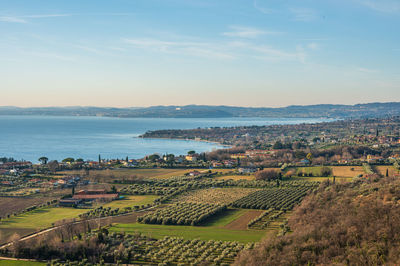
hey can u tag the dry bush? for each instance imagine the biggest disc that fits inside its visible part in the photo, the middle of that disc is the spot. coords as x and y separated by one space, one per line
267 174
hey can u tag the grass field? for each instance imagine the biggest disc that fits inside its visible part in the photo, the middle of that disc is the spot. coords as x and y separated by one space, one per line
213 229
381 169
20 263
42 218
110 175
314 170
225 218
347 171
35 220
191 232
321 179
235 177
130 201
242 221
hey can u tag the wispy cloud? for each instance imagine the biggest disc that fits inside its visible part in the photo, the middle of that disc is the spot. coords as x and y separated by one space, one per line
303 14
269 53
313 46
200 49
367 70
273 54
315 39
386 6
246 32
120 49
47 16
227 50
12 19
89 49
55 56
26 18
260 7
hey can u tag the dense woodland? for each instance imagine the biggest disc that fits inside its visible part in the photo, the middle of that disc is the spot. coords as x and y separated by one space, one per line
354 223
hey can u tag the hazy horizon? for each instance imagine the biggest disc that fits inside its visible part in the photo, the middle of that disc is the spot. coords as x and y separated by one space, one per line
174 52
215 105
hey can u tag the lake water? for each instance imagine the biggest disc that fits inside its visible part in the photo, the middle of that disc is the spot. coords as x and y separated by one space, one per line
30 137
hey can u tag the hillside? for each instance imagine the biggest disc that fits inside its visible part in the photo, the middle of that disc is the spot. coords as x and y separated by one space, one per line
356 223
204 111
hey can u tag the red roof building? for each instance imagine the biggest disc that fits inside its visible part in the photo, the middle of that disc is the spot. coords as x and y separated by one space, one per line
96 196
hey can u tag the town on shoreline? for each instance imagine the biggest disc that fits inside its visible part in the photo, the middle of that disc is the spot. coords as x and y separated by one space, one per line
230 198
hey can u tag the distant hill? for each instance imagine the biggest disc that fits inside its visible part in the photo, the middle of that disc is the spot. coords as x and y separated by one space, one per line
205 111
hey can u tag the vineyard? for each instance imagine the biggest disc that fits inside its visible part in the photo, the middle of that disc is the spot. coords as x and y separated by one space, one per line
279 198
182 214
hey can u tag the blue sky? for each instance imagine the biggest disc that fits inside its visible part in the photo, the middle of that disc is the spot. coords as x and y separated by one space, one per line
218 52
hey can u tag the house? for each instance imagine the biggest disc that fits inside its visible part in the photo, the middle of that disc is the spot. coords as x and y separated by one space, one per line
373 158
247 170
95 194
69 202
191 158
6 183
91 192
194 173
304 162
239 156
130 163
101 197
217 164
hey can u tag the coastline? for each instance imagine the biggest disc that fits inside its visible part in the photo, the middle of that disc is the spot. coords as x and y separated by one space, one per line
197 140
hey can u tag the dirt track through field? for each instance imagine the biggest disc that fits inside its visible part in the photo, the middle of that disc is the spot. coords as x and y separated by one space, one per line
241 222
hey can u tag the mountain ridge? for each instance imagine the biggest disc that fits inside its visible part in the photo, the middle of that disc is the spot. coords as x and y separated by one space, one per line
364 110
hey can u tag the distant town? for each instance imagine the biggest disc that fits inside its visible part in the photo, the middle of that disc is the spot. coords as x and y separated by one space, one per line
255 185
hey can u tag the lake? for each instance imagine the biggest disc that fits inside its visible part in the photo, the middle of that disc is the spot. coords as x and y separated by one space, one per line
57 137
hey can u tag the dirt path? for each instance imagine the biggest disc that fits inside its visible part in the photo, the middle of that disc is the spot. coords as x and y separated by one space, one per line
242 221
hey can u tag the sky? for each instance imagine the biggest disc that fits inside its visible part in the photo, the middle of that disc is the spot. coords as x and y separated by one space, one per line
126 53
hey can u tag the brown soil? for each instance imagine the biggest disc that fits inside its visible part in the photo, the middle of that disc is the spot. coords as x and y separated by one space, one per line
381 169
242 221
9 205
131 218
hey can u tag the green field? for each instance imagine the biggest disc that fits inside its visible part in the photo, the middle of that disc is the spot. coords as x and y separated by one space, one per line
41 218
321 179
130 201
191 232
20 263
225 218
314 170
212 230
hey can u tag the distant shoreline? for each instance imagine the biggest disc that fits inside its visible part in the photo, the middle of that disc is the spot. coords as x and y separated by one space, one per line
321 111
198 140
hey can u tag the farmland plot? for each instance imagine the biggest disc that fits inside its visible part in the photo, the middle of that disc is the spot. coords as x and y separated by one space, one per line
347 171
183 214
277 198
215 195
